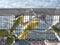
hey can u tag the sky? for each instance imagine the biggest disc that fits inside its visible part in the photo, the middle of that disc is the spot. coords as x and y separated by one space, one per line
29 3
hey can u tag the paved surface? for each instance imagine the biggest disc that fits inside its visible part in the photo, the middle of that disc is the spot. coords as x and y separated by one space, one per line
28 11
41 43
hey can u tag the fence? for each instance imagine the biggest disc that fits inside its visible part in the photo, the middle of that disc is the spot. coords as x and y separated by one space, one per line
38 33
